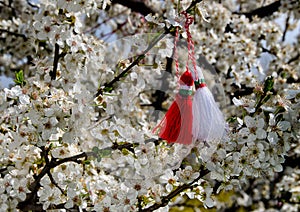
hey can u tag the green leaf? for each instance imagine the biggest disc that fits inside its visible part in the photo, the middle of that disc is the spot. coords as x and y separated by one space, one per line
269 83
101 153
125 151
108 89
19 80
232 119
95 150
86 162
104 153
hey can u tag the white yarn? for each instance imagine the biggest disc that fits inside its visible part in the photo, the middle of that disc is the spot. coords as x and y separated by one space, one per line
208 120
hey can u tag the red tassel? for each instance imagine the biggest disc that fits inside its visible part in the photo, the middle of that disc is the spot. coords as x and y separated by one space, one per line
176 126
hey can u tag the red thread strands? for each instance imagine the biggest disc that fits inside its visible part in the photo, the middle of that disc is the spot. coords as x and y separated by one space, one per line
176 126
175 52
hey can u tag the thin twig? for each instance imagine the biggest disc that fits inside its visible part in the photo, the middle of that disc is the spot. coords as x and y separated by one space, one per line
93 28
55 62
109 34
13 33
294 58
32 5
55 183
287 24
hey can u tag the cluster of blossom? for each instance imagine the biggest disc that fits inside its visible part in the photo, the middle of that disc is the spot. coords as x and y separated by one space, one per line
291 6
61 148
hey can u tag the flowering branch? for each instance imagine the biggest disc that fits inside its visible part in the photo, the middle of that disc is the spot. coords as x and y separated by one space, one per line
31 199
55 183
283 197
266 94
259 147
30 202
166 199
108 86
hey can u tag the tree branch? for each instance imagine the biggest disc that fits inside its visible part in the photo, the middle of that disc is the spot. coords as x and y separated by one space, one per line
31 198
14 34
55 62
294 58
166 199
31 203
286 27
55 183
136 6
263 11
108 86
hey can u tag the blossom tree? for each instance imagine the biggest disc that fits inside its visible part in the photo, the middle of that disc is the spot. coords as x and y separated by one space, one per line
93 78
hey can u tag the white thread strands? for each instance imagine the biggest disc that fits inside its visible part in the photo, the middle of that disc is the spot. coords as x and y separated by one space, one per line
208 121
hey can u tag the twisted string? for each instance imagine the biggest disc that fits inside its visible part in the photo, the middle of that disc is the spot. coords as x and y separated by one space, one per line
190 42
176 54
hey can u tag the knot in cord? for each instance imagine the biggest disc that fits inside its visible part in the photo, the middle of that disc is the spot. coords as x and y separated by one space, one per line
188 20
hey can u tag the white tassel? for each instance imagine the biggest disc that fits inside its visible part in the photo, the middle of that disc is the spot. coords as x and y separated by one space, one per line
208 121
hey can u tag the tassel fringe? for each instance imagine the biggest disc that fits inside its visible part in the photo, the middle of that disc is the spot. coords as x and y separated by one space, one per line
208 121
176 126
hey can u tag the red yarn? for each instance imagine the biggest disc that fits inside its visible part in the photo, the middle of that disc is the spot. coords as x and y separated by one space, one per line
186 78
176 126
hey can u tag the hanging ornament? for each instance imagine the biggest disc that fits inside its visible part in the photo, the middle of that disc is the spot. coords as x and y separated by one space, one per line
199 119
176 126
208 120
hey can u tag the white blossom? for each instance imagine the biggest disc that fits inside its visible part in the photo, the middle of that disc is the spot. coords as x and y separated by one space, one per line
60 145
